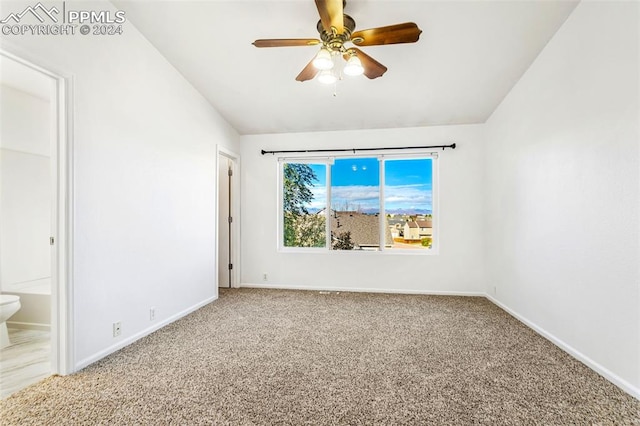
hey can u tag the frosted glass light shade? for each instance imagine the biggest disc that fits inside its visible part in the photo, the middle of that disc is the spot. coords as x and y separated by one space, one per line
327 77
323 60
354 66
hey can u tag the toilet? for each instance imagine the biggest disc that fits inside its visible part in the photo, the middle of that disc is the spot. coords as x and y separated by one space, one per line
9 305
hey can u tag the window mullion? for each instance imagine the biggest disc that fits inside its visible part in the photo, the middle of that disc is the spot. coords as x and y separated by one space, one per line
382 215
328 209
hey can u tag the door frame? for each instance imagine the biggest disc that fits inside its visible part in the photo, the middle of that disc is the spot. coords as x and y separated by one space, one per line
62 334
234 208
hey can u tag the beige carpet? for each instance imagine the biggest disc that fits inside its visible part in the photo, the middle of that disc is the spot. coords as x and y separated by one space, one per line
296 357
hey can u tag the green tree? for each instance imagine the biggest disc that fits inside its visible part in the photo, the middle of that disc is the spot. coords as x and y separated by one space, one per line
297 180
343 241
301 229
306 230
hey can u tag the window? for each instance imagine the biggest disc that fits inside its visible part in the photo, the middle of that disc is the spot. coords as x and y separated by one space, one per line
355 204
408 202
304 194
382 203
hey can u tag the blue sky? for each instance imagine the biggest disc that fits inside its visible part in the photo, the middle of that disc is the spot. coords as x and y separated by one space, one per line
355 184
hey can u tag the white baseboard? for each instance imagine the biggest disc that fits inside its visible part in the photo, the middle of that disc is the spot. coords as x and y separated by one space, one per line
129 340
364 290
28 326
604 372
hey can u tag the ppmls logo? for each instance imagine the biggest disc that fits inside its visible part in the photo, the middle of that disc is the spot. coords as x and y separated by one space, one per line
40 20
33 10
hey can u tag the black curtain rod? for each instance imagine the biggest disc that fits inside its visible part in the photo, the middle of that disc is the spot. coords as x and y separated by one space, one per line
354 150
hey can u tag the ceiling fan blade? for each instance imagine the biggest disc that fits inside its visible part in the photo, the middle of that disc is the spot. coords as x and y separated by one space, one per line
393 34
331 15
372 68
308 73
286 42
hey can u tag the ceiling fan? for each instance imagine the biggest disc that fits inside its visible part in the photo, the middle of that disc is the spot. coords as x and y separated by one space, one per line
336 29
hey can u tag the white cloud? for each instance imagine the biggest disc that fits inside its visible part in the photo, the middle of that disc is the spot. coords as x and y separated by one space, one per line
409 197
319 197
355 192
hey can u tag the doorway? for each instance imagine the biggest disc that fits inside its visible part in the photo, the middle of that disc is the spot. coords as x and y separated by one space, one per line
228 219
34 224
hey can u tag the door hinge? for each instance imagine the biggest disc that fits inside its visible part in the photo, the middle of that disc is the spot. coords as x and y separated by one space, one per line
230 172
51 241
230 266
230 219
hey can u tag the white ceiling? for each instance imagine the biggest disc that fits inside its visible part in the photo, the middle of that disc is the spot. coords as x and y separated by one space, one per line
469 56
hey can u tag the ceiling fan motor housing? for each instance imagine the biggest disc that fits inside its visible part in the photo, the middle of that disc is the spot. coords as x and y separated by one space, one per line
333 41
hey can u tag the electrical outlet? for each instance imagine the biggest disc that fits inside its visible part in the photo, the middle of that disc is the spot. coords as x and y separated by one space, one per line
117 329
265 277
152 313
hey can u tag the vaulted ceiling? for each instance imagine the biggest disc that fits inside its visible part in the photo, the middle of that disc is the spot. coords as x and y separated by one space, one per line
469 56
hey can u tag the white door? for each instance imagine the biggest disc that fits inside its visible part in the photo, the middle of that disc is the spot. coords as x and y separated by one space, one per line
224 221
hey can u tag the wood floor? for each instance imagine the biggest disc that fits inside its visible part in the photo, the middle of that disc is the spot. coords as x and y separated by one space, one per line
26 361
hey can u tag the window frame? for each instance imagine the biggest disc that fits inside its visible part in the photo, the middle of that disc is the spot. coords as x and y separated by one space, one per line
280 216
328 161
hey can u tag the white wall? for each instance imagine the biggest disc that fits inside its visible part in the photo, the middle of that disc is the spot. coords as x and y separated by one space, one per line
25 121
457 268
563 192
25 187
145 184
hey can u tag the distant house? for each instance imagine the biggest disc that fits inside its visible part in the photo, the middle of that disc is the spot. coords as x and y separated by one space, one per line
395 225
425 224
411 231
415 230
396 222
364 229
334 213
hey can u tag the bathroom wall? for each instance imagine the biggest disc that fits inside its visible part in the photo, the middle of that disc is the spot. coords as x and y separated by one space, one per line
25 188
34 313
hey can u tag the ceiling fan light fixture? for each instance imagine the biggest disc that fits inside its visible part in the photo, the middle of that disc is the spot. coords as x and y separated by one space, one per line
353 67
336 30
327 77
323 60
